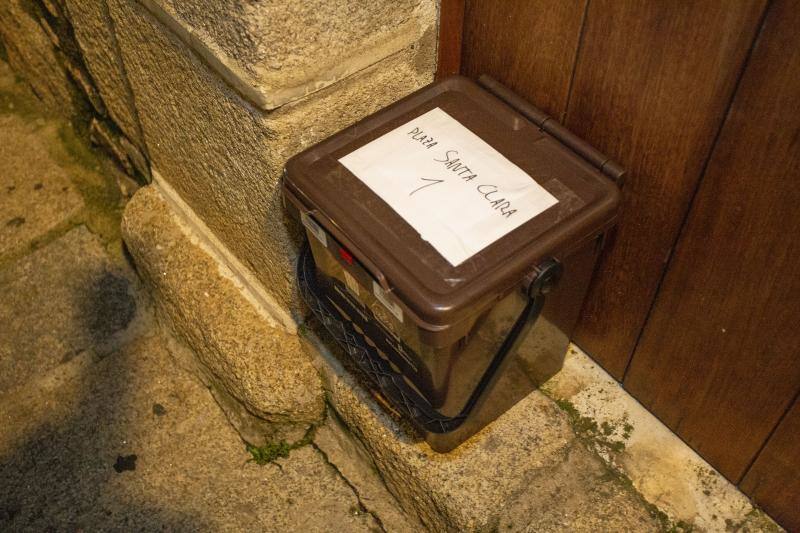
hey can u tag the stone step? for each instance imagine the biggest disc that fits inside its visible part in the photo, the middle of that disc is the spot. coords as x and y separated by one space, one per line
527 470
64 299
256 368
548 464
36 194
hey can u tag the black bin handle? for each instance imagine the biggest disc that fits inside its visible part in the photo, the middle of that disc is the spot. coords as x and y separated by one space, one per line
391 383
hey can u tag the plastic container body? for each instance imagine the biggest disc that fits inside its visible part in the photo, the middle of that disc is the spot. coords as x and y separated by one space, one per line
448 374
442 335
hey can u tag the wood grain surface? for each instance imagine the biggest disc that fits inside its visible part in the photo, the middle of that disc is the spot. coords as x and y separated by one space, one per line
652 84
719 359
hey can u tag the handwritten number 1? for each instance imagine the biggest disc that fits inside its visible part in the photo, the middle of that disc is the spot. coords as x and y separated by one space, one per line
430 181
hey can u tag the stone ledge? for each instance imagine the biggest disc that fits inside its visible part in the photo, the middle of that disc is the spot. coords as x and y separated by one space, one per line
537 468
525 471
660 466
509 475
269 79
255 367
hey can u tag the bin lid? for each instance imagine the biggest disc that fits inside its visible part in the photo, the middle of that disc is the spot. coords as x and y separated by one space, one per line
450 197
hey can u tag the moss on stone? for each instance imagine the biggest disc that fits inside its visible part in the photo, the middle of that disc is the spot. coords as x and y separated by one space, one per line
754 520
665 523
101 195
87 168
272 451
15 101
627 429
587 429
269 452
303 330
597 438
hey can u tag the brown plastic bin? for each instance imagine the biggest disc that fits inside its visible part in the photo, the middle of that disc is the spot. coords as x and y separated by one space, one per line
453 347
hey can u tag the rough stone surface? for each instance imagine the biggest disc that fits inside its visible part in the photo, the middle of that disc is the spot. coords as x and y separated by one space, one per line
31 54
94 33
576 495
535 469
352 460
659 465
243 352
64 299
497 478
526 471
36 195
128 443
286 50
519 464
38 147
114 437
224 157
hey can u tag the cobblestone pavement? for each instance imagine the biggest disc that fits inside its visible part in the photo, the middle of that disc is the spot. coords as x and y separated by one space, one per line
97 429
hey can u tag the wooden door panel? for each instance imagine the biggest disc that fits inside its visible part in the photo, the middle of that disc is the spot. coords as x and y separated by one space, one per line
718 361
774 479
528 45
652 83
451 31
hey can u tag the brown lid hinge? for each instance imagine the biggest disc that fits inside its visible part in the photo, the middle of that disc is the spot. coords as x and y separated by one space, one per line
603 163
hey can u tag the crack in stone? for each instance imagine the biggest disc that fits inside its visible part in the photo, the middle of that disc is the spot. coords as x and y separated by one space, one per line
351 485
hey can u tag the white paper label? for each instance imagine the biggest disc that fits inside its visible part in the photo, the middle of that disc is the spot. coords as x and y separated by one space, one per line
458 192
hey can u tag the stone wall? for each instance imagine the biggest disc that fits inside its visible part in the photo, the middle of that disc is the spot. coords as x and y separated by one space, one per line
221 152
216 95
209 98
66 51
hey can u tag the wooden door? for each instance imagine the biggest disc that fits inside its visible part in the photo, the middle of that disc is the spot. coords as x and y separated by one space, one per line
773 480
528 45
646 87
719 359
695 305
651 85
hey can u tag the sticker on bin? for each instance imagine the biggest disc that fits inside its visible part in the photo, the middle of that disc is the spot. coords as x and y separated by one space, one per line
452 187
350 282
315 229
383 298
